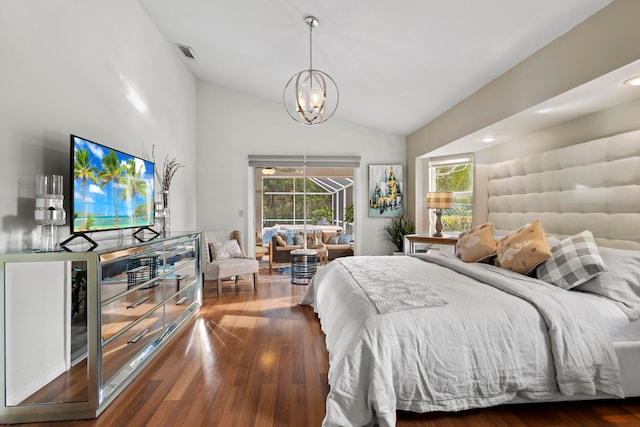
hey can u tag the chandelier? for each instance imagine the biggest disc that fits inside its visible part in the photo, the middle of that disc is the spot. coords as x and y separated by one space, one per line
305 94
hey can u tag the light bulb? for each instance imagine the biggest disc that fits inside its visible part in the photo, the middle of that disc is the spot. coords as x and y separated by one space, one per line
633 81
317 97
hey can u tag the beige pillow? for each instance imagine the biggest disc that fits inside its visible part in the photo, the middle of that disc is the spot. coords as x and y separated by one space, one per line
235 235
477 244
280 241
522 250
327 235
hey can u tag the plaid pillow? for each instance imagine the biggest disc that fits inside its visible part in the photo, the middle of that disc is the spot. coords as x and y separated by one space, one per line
574 261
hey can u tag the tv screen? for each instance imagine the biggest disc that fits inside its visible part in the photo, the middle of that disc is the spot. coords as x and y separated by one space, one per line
111 189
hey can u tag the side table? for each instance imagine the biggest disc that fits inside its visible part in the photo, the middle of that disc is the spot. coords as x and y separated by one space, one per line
304 264
426 238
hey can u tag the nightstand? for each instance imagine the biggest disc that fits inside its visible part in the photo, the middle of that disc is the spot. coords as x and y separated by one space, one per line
412 239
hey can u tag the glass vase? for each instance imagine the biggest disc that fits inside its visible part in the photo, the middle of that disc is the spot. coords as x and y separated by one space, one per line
49 211
166 213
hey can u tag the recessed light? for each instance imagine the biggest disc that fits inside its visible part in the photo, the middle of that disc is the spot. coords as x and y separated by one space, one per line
489 139
633 81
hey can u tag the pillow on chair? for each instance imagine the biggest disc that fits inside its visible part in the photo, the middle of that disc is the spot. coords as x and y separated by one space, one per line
225 250
344 239
236 235
327 235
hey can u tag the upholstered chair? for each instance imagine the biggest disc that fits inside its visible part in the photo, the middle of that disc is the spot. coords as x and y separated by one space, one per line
218 266
264 249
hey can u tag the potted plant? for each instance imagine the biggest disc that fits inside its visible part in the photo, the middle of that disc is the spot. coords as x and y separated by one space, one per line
349 218
399 226
321 216
349 214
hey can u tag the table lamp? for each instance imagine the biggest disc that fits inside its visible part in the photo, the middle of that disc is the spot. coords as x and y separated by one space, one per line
439 201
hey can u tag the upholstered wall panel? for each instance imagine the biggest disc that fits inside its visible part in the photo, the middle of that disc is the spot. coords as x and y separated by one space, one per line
590 186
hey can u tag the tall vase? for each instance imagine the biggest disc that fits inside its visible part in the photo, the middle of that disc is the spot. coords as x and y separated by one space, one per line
166 213
49 210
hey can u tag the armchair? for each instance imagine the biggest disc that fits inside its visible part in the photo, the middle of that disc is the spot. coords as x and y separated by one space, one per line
225 268
264 249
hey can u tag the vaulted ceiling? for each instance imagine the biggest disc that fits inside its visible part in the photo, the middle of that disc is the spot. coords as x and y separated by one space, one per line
398 65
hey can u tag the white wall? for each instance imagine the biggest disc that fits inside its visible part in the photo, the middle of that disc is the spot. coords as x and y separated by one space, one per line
232 125
603 43
67 66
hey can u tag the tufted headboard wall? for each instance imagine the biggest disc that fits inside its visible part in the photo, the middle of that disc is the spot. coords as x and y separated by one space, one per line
589 186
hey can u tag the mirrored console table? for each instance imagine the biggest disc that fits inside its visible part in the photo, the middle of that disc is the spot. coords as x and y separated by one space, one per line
78 326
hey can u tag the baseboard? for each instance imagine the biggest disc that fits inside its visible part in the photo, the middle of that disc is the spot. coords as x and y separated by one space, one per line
17 396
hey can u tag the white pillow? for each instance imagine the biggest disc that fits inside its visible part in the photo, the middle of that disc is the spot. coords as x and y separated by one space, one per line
621 283
573 261
225 250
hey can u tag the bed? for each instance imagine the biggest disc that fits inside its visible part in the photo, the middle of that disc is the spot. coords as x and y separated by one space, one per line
435 333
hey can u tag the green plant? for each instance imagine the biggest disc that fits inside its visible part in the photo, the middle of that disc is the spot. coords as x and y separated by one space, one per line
456 223
349 213
322 213
399 226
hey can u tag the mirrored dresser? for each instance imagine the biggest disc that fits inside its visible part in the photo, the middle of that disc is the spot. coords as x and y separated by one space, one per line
78 326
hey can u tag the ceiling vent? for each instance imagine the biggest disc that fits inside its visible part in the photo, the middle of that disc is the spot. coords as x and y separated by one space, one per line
187 51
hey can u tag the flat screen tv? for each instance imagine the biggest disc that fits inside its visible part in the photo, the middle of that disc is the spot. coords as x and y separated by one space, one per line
111 190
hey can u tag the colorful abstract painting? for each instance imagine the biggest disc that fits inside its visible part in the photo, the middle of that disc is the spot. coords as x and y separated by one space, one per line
385 190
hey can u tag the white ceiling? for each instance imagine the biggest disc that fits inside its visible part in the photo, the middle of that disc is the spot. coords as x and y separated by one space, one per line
398 64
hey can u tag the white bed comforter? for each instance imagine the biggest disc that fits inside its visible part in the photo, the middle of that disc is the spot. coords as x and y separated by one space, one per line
487 344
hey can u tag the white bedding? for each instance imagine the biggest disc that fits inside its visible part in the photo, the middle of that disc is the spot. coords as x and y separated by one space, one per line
482 348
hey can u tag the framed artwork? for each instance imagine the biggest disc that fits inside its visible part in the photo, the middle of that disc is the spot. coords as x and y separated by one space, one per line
385 190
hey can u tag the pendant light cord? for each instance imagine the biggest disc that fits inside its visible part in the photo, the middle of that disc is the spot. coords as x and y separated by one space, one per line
310 47
304 199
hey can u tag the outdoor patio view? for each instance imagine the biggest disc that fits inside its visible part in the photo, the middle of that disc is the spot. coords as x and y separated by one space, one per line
284 200
328 199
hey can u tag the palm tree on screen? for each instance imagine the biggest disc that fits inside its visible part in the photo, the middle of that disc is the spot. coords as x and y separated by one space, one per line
111 172
135 186
83 169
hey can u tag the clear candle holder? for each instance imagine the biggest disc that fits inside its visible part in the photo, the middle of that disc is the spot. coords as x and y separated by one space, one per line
49 210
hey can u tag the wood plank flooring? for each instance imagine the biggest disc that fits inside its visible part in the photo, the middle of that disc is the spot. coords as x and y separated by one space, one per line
259 359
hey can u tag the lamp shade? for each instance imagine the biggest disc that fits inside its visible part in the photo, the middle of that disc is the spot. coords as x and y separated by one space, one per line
439 200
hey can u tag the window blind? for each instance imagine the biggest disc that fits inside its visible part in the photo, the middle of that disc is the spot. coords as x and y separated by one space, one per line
300 160
459 159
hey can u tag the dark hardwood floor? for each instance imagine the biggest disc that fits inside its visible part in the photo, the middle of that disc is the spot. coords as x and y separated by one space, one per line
258 359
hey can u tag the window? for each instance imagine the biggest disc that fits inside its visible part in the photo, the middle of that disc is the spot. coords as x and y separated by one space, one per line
283 201
279 186
454 175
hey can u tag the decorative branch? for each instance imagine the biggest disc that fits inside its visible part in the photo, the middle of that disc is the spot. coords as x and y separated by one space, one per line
169 169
